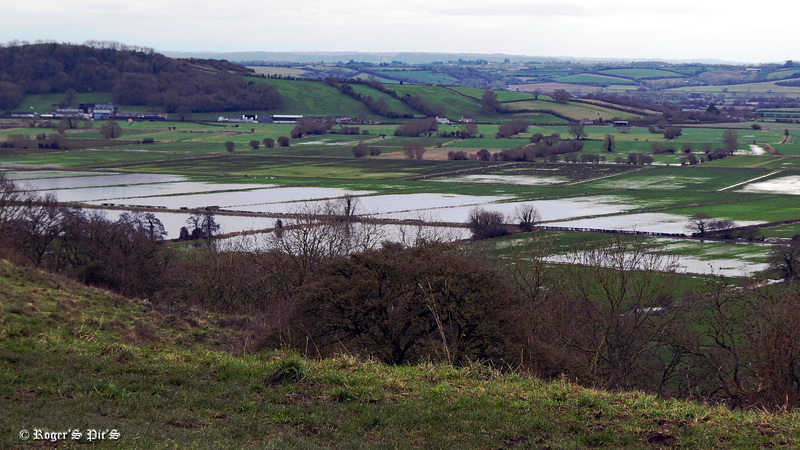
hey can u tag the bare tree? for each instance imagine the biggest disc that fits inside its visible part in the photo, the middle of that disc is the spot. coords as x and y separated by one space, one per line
144 222
611 314
730 139
204 224
576 129
413 150
527 216
609 142
110 130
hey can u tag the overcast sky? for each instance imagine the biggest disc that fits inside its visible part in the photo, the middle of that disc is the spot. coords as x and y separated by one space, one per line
731 30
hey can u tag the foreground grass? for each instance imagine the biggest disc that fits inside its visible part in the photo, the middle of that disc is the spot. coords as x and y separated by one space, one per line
78 358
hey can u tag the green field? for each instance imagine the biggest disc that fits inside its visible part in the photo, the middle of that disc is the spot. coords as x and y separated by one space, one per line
639 74
313 99
415 76
394 104
594 79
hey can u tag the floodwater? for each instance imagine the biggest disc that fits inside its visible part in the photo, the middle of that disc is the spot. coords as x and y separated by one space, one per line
131 194
645 222
694 265
255 200
29 175
98 180
373 237
549 210
782 185
174 221
504 179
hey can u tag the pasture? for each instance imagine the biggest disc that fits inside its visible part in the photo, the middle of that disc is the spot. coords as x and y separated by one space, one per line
641 74
594 79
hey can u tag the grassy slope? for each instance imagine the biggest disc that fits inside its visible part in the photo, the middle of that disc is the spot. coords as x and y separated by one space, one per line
73 357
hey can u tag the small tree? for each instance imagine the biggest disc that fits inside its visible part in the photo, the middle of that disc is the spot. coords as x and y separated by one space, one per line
672 132
254 144
110 130
230 146
469 131
489 103
361 150
785 259
699 224
527 216
731 140
609 142
414 150
269 142
576 129
204 224
283 141
561 96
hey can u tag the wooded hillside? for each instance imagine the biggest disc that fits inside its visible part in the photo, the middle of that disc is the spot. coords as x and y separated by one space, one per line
134 77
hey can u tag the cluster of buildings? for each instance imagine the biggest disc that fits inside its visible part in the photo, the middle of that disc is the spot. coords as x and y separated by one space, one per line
91 111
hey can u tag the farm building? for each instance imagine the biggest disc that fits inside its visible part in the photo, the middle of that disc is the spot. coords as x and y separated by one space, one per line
286 118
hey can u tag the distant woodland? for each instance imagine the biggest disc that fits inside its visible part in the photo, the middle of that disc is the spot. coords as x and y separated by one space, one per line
134 77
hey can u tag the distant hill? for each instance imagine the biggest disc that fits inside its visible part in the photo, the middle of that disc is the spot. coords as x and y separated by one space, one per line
408 57
335 57
133 77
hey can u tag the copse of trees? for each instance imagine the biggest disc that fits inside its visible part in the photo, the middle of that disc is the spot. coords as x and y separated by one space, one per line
486 224
362 149
310 125
417 127
508 129
414 150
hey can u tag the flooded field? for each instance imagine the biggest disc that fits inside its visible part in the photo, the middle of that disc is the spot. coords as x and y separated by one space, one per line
131 194
174 221
374 237
522 180
645 222
269 200
96 180
550 210
783 185
29 175
660 182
